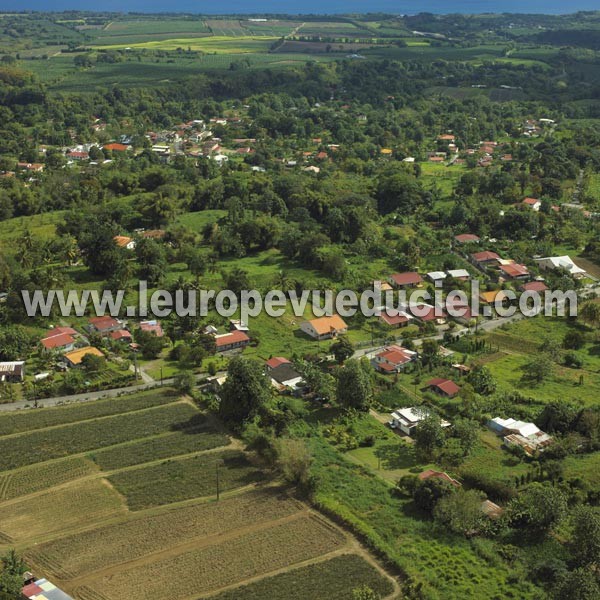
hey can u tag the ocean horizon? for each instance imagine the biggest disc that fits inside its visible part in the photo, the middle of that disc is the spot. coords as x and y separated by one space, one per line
307 7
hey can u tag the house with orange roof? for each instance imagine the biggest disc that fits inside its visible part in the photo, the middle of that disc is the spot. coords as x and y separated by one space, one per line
115 147
324 328
124 241
75 358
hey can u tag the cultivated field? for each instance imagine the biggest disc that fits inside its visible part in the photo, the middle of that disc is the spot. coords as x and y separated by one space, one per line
79 483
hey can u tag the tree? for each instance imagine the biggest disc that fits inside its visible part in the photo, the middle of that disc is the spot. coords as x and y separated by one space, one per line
589 313
428 493
197 265
93 364
185 382
573 340
354 388
15 343
467 433
559 417
151 345
152 261
342 349
580 584
538 508
245 393
11 577
294 461
430 350
460 511
429 437
538 369
585 539
482 380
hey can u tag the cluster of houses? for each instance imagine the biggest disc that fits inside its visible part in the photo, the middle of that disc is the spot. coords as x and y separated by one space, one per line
72 346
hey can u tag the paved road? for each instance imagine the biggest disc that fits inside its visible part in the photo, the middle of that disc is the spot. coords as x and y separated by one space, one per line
89 396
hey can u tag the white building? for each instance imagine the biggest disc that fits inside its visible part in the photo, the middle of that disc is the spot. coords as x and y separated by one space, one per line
406 419
561 262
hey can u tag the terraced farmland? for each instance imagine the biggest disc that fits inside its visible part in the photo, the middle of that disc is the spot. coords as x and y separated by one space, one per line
80 482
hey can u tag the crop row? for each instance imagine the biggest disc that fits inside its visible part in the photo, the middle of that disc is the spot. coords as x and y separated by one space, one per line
46 444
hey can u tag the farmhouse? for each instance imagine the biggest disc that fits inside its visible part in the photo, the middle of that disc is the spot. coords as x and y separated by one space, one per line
519 433
406 419
74 359
231 341
561 263
406 280
443 387
325 327
392 359
12 372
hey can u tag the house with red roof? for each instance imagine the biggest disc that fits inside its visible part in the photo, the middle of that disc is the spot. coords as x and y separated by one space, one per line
121 335
59 339
231 341
534 286
406 280
104 325
515 271
276 361
152 327
116 147
443 387
395 319
78 155
393 359
485 258
532 203
466 238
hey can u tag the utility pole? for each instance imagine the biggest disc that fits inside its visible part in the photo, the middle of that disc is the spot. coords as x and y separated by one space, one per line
161 377
218 488
135 366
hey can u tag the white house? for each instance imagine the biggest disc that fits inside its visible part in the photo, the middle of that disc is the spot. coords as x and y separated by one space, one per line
561 262
406 419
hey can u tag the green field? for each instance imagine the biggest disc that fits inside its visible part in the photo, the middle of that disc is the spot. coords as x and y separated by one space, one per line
176 480
335 578
56 442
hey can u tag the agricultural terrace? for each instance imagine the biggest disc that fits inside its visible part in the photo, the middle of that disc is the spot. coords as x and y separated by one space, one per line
79 482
